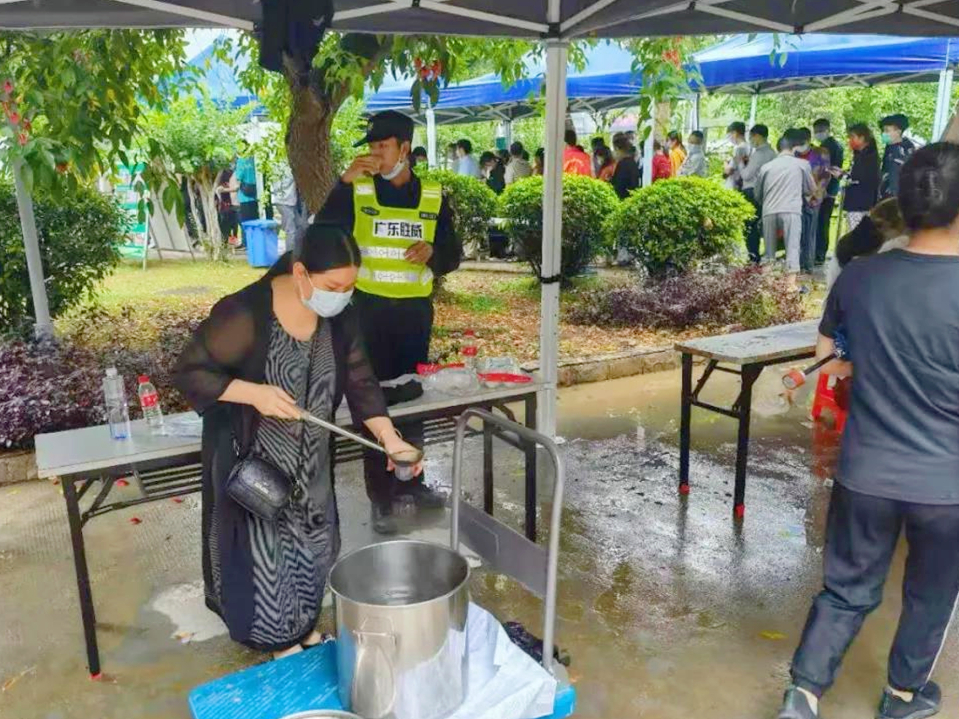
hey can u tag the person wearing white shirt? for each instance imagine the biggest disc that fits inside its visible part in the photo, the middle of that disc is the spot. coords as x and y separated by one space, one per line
467 164
518 166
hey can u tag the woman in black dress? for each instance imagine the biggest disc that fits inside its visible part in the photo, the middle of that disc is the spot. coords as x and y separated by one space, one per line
288 340
863 190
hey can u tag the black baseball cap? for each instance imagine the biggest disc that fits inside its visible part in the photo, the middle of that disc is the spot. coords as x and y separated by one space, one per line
387 124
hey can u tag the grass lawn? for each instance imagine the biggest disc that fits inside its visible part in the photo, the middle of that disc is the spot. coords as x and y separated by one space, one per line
503 308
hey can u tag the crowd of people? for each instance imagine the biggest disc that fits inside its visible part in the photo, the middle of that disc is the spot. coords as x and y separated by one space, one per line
619 164
795 187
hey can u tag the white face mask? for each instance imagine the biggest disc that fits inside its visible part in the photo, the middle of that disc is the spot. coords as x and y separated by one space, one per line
822 136
326 303
802 149
397 169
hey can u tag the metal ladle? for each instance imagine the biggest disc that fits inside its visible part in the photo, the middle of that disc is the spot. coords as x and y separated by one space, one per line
404 460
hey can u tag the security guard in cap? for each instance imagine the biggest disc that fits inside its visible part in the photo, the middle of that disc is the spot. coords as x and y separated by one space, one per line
404 228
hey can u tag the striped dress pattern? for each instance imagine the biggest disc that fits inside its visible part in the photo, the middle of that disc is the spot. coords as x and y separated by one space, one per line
292 555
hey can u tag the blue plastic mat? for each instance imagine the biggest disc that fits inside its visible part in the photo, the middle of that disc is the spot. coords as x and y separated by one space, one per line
298 683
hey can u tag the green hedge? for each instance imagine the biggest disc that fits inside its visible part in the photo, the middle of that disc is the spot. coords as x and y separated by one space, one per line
79 235
473 206
673 225
586 205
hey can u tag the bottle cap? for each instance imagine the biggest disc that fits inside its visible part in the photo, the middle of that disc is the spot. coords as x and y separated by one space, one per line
143 379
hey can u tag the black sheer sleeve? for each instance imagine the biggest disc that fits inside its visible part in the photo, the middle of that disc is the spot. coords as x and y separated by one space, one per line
216 354
363 392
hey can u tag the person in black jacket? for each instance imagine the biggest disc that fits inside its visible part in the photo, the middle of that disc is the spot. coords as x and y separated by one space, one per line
626 176
898 150
863 189
386 207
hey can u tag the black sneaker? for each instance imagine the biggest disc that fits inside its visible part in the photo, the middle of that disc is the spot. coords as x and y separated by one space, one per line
925 703
383 520
796 706
421 495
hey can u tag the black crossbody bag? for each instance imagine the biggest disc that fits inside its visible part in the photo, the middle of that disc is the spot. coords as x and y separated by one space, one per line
258 485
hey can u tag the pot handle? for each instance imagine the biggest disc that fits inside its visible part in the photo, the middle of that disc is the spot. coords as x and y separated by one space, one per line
377 694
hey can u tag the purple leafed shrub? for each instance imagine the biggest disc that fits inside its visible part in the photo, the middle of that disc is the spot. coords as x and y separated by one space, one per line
46 386
740 298
53 385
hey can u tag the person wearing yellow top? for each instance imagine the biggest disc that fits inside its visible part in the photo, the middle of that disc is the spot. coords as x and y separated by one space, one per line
677 153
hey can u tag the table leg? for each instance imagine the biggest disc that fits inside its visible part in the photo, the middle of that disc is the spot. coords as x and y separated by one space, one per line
531 450
83 577
750 373
685 422
487 469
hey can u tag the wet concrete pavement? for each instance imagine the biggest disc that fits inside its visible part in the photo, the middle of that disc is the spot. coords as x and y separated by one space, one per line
667 606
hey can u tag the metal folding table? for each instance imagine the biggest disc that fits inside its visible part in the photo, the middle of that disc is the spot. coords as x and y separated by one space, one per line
748 353
89 463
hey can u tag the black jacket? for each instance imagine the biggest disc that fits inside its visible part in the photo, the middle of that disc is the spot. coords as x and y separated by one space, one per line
893 159
447 247
232 343
626 177
863 191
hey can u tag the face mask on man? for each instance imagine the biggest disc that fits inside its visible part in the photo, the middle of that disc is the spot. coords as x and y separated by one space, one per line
821 136
326 303
887 138
802 149
397 169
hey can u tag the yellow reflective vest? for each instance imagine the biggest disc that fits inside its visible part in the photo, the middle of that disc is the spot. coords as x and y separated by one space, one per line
384 234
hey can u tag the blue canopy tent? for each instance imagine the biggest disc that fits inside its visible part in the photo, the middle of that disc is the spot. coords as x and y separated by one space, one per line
743 65
605 82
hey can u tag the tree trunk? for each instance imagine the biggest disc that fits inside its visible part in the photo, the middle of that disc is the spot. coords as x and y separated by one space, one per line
208 203
661 120
308 146
316 100
194 211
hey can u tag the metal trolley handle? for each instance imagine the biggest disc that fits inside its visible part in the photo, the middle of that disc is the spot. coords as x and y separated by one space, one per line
503 548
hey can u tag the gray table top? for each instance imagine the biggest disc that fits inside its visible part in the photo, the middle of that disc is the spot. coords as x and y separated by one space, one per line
90 449
765 345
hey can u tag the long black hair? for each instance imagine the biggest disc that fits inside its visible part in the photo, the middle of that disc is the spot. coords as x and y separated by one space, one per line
929 187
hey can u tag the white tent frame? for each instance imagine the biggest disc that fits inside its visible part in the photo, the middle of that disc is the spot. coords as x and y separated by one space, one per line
558 33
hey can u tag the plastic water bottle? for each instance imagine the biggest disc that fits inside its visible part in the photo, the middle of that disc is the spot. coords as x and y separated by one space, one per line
115 398
470 350
150 404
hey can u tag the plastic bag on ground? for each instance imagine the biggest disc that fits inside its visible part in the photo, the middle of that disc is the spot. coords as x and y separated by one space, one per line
504 682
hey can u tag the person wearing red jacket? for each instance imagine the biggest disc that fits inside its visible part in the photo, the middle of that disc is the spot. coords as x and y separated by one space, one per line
662 166
575 159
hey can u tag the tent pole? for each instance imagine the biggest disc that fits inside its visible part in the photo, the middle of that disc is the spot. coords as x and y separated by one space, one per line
753 105
431 137
648 154
31 243
696 109
557 52
943 102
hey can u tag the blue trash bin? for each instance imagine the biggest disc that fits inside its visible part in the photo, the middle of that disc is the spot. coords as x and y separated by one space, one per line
261 241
